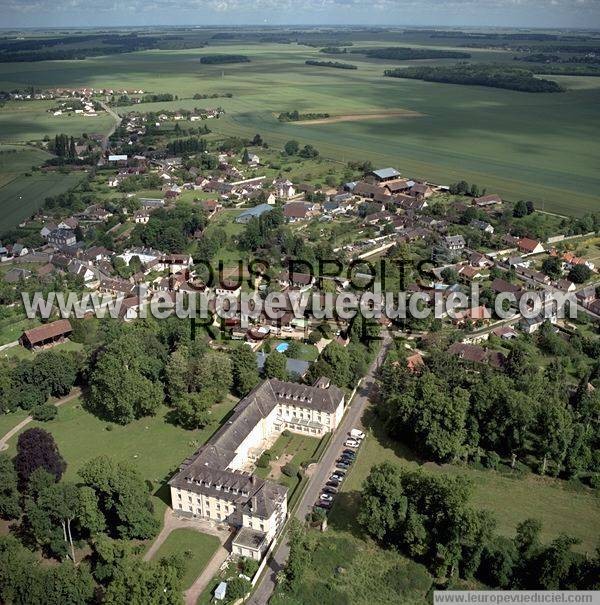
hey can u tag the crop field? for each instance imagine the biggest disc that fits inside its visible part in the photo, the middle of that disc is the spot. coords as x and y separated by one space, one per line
23 195
543 147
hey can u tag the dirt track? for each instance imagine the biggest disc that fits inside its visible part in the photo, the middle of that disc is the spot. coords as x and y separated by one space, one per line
359 117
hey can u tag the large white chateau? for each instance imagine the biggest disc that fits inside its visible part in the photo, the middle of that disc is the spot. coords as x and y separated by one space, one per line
217 483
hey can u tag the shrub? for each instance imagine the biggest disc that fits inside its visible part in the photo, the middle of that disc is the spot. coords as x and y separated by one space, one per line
290 470
314 337
286 433
248 566
491 460
44 412
263 460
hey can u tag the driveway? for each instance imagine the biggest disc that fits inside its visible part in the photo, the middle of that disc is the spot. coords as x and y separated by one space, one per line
351 419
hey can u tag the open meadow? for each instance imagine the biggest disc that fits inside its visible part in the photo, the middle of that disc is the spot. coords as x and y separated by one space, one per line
542 147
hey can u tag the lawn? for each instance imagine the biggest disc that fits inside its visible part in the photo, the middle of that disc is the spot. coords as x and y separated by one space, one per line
197 550
153 445
24 195
300 447
511 500
541 147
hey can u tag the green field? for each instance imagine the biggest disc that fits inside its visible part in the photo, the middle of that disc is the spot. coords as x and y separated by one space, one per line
30 121
197 550
153 445
511 500
23 195
538 146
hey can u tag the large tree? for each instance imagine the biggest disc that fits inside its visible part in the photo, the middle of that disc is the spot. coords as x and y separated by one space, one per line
275 366
245 370
122 496
36 448
124 382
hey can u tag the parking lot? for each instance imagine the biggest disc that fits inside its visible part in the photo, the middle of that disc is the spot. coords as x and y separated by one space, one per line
345 458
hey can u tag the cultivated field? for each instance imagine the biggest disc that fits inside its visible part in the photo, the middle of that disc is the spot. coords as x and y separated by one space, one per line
24 194
542 147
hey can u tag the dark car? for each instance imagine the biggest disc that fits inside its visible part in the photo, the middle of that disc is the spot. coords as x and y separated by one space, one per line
323 504
342 466
346 459
328 489
350 453
333 483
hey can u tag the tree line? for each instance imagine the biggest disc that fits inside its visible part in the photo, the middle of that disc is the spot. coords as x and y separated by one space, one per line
524 415
495 76
335 64
401 53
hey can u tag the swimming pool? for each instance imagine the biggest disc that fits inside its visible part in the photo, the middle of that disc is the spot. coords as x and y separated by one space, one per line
282 347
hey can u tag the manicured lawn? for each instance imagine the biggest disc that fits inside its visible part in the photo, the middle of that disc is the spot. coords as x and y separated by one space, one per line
153 445
300 447
511 500
8 421
197 550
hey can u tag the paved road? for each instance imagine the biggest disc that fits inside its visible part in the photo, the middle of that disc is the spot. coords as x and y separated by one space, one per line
266 585
76 392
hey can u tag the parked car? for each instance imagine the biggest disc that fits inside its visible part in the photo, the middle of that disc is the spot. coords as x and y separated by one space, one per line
326 497
334 483
351 443
344 459
323 504
336 477
348 459
330 490
342 466
356 434
349 453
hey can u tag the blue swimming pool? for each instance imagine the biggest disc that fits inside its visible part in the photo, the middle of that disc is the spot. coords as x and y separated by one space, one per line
283 347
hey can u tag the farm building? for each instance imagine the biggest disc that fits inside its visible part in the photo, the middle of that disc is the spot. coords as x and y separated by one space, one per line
48 334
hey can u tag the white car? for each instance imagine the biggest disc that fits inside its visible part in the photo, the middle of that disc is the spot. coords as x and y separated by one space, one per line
326 498
356 434
351 443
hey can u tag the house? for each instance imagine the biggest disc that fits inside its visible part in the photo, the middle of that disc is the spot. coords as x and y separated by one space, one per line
284 189
565 285
529 246
415 362
47 334
298 211
480 260
397 186
81 270
476 354
454 242
482 226
211 206
594 307
386 174
68 223
504 332
529 325
62 237
571 261
500 286
470 273
586 296
141 217
247 215
149 203
476 314
214 482
421 190
288 279
176 262
487 200
47 229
